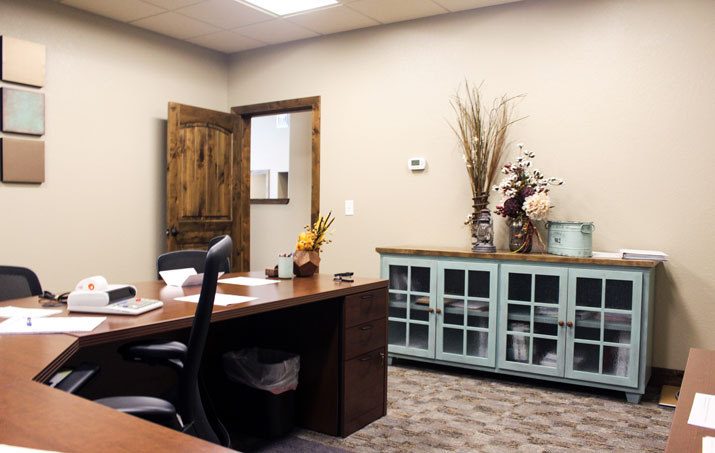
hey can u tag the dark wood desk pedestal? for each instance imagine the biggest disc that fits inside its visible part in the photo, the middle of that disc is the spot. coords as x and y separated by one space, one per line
347 376
699 378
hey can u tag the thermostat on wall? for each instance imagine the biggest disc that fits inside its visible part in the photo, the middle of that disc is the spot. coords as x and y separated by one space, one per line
416 163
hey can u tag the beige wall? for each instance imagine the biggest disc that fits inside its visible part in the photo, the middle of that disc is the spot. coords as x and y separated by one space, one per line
619 104
101 209
275 227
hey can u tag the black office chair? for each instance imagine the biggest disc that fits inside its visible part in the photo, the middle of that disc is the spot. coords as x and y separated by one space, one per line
182 259
188 402
18 282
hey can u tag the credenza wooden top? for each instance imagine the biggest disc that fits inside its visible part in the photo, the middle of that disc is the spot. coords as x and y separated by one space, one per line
509 256
36 416
698 378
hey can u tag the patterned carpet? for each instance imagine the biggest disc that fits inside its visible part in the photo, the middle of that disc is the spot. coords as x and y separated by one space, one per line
448 409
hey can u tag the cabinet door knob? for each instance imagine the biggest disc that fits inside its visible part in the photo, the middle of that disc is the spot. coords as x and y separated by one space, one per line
561 323
439 311
366 327
569 324
431 310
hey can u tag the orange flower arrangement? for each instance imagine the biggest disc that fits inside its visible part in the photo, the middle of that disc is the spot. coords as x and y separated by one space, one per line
314 238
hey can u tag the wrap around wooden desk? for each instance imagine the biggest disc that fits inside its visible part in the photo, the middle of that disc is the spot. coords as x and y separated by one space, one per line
36 416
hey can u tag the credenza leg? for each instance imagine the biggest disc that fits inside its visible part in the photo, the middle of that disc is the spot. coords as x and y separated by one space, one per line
634 398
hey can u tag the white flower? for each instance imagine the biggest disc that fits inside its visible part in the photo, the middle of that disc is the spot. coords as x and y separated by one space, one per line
537 206
520 145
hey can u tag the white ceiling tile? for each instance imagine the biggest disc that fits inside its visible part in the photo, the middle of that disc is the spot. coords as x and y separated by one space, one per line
125 11
227 42
332 20
461 5
387 11
275 31
226 14
173 4
176 25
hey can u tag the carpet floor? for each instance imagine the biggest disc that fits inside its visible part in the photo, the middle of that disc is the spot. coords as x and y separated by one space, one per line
447 409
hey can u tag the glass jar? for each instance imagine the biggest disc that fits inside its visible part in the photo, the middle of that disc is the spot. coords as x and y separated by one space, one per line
520 235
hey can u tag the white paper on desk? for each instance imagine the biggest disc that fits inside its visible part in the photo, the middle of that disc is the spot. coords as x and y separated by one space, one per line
13 449
221 299
12 312
708 444
183 277
703 411
51 325
246 281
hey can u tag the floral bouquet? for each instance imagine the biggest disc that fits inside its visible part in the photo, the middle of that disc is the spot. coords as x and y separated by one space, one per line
314 238
525 199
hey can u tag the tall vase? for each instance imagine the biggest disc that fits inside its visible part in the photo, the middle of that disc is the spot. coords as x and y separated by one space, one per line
480 203
521 235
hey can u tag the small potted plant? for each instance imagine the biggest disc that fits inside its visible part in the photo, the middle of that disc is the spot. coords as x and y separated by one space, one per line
307 255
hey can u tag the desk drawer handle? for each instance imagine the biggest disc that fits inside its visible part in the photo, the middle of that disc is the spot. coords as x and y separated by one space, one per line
365 359
366 327
367 296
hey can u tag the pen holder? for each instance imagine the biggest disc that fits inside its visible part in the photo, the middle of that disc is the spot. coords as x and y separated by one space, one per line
285 267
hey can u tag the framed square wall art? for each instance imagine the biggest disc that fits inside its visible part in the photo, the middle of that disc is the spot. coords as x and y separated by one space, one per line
23 112
22 61
22 160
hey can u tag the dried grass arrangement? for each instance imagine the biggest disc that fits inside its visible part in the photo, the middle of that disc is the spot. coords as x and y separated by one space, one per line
482 135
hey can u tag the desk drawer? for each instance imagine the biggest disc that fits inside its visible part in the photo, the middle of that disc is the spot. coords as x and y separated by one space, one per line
365 337
364 390
363 307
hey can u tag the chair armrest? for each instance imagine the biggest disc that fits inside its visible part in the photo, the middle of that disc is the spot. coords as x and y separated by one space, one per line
78 378
168 353
149 408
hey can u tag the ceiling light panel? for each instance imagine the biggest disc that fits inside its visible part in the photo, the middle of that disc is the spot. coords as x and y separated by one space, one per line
284 7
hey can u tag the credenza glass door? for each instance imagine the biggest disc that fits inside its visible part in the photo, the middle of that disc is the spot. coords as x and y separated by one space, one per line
411 305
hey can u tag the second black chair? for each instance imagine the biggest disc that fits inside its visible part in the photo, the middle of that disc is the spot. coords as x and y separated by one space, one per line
16 282
186 358
181 259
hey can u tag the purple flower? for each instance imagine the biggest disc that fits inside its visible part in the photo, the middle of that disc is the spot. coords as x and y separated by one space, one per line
512 206
527 192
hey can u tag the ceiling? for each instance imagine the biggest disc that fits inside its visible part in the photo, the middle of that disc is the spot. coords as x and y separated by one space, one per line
233 26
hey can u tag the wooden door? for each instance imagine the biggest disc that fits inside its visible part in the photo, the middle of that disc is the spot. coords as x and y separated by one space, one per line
204 196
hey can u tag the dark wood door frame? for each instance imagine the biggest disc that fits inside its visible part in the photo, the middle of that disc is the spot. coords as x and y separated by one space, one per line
242 140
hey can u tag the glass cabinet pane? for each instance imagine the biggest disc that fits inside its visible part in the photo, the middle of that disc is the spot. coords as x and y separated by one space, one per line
398 277
588 292
454 282
545 352
420 279
454 311
452 341
519 287
419 336
478 284
478 314
397 305
418 308
397 333
617 328
546 289
586 357
477 343
517 348
615 360
588 325
619 294
546 321
518 318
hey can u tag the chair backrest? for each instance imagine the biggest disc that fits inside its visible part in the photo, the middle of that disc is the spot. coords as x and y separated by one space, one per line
182 259
18 282
189 402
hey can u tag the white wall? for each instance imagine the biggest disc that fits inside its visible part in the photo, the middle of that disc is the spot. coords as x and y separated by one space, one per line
270 149
101 209
619 104
275 227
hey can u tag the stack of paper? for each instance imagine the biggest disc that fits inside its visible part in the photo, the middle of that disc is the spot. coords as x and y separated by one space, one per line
631 254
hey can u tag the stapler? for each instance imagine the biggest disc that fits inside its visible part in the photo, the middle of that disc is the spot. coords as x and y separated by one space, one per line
344 277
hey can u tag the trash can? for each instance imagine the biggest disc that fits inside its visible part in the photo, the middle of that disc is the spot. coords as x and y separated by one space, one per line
262 398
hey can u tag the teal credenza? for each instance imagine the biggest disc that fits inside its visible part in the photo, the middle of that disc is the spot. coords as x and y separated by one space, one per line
580 321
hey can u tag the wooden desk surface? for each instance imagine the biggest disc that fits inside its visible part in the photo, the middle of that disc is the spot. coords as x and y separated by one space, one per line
699 378
37 416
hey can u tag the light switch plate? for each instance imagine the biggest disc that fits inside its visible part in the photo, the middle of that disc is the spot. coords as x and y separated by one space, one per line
349 207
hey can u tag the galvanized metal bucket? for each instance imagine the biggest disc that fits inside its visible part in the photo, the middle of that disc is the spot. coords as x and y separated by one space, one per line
570 238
